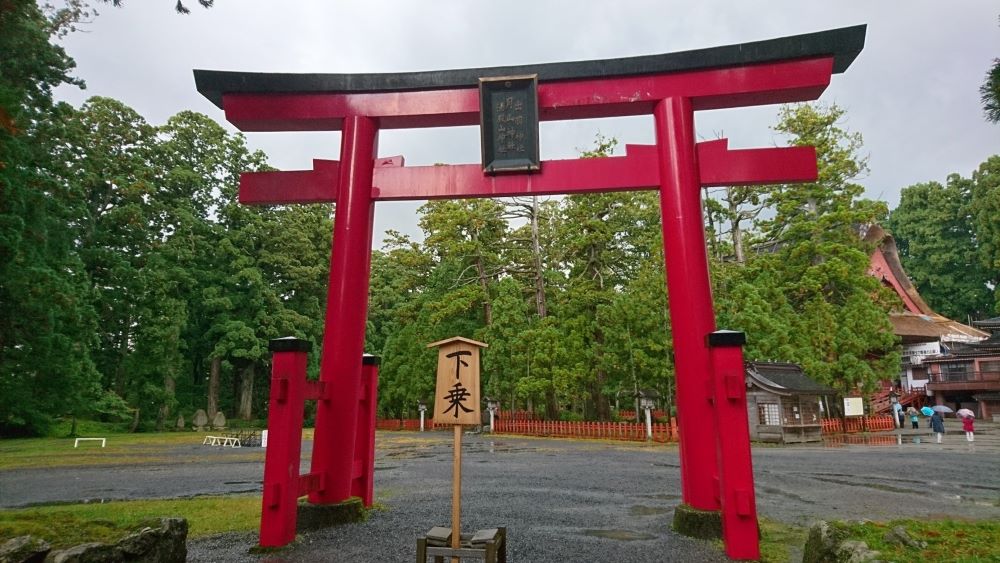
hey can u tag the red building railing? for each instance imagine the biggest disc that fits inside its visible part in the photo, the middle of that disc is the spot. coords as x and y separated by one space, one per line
858 424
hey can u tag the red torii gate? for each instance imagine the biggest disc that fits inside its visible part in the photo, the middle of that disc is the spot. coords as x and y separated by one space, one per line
716 474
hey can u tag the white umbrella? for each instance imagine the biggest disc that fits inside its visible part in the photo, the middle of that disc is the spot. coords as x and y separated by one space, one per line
942 409
966 412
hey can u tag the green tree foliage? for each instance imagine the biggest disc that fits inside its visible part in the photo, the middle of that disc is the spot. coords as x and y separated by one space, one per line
990 93
815 282
985 211
936 236
47 322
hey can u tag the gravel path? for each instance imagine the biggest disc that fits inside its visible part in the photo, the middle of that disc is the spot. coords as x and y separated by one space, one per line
560 499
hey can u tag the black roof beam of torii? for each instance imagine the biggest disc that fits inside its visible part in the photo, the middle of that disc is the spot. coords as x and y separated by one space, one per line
843 44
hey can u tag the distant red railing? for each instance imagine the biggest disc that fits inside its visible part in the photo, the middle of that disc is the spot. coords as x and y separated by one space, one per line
516 415
628 431
625 414
858 424
403 424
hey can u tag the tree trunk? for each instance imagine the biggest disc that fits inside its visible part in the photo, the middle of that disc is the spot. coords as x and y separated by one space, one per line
734 212
536 250
551 407
213 387
484 284
246 392
135 421
169 386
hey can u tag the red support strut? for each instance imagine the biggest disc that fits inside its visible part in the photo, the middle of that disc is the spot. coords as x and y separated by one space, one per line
282 483
284 426
739 506
362 482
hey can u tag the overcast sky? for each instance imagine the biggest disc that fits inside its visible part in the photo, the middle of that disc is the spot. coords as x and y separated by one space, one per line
913 92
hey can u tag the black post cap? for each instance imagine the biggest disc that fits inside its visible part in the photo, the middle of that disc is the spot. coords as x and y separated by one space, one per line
726 338
370 360
289 344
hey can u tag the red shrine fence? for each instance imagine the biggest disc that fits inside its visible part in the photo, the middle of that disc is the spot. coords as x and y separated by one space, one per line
627 431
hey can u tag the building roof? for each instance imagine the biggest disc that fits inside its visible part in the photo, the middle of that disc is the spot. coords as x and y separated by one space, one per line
988 324
918 323
912 328
783 378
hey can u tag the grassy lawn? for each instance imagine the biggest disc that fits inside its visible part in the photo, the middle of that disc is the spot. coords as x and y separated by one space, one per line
947 540
122 448
778 541
68 525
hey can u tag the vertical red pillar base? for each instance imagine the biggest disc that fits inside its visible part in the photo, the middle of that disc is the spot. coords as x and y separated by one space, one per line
363 483
284 448
739 507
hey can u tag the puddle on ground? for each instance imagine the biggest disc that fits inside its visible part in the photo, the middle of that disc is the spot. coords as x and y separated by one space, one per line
410 455
876 486
840 440
661 496
640 510
620 535
384 467
793 496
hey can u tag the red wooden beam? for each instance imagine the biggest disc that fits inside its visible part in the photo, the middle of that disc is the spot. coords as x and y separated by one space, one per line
637 170
719 166
770 83
318 185
293 186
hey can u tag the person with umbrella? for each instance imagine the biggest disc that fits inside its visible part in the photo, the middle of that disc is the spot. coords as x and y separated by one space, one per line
937 423
914 417
967 424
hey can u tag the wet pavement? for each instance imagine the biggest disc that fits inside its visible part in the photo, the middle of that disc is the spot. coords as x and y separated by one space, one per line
565 499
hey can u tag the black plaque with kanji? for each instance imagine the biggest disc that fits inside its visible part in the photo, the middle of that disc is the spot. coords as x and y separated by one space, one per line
508 113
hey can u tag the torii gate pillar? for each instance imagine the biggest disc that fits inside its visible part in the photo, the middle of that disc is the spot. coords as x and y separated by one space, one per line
691 312
346 312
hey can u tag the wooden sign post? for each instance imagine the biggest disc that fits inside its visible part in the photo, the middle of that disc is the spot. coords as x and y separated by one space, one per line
456 402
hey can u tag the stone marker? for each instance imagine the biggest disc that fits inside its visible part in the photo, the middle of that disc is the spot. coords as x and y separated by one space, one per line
24 549
162 540
180 422
200 420
219 422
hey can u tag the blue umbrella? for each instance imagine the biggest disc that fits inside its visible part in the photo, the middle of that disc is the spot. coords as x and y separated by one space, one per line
927 411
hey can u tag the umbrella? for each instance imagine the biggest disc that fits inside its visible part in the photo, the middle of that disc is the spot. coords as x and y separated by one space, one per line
911 411
942 409
966 412
927 411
